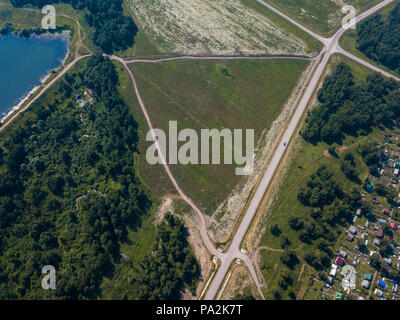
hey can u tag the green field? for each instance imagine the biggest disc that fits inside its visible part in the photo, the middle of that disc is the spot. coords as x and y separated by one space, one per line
324 16
314 46
307 158
201 95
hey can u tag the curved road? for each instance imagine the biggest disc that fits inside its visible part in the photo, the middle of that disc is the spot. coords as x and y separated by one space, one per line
203 230
331 46
79 44
47 86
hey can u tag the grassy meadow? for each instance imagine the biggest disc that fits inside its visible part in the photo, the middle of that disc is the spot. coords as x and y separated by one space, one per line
206 95
323 17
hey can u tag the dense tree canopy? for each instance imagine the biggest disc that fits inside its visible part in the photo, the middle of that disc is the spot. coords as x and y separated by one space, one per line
171 266
50 210
321 189
114 31
379 39
347 108
68 193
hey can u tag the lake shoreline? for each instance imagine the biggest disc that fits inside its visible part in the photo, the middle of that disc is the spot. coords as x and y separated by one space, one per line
65 36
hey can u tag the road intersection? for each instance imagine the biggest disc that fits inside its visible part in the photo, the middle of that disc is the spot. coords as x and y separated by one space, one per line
331 46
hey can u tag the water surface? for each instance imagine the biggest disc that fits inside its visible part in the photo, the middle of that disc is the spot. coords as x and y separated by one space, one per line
24 63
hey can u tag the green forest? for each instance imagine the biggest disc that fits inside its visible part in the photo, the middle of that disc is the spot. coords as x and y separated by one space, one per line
113 30
379 39
69 194
171 266
347 108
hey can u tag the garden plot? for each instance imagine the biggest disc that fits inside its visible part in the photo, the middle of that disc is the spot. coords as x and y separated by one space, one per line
212 27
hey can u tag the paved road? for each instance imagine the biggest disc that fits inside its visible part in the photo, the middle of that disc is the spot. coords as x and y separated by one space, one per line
325 41
331 47
368 65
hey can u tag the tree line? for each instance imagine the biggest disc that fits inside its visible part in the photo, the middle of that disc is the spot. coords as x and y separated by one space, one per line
113 30
379 39
170 267
69 193
347 108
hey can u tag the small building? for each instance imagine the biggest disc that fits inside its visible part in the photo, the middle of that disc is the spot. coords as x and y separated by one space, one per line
369 188
386 211
394 226
382 221
343 253
365 284
333 272
358 212
339 261
349 238
353 230
368 277
334 266
378 293
388 261
381 283
379 234
377 242
396 172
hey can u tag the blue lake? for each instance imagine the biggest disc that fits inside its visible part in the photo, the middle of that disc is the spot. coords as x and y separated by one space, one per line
24 63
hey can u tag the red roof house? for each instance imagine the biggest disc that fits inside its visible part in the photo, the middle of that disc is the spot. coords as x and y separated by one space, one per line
386 211
339 261
379 234
394 226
